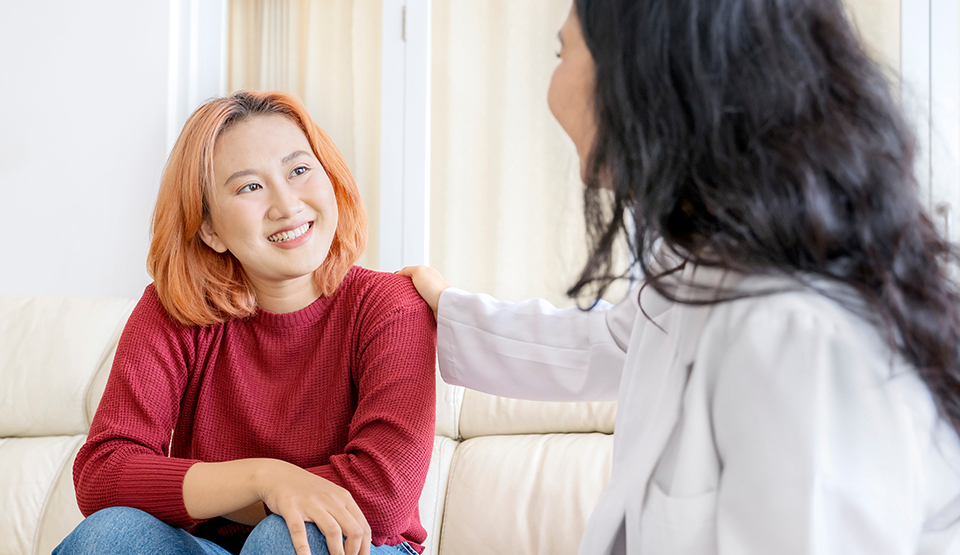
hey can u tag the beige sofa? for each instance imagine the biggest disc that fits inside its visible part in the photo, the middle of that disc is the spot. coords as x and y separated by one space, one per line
506 476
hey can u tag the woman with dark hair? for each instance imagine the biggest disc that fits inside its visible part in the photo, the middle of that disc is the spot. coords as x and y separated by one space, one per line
788 374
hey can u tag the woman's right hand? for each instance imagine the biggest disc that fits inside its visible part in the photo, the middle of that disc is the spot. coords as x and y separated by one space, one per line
300 496
429 284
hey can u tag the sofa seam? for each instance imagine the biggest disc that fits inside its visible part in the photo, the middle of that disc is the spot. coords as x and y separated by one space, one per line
53 486
446 494
111 346
458 412
436 503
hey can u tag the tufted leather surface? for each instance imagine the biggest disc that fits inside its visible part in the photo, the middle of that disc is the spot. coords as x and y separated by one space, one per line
51 349
485 415
524 494
29 470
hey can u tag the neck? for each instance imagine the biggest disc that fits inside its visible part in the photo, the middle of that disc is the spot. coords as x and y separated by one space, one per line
286 296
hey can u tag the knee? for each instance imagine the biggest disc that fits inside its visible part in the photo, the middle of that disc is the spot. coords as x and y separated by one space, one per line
273 536
105 531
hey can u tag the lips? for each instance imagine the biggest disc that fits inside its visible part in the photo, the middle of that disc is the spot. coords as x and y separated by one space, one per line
290 235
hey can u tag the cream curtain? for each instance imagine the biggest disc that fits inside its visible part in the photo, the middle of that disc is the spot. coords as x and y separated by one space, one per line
879 24
506 195
327 52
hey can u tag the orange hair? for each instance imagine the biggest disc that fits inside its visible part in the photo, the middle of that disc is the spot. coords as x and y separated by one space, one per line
199 286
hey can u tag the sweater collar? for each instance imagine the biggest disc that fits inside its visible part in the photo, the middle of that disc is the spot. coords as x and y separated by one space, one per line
303 317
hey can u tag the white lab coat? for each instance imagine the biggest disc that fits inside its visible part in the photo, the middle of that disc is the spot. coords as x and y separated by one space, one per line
773 425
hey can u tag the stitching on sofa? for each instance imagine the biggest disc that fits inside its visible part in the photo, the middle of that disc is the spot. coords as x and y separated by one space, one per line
446 493
53 486
436 502
458 400
114 338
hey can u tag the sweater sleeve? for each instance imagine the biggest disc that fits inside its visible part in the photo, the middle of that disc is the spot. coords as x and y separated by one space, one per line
390 440
125 460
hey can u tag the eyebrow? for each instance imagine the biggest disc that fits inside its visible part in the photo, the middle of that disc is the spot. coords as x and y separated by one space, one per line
285 160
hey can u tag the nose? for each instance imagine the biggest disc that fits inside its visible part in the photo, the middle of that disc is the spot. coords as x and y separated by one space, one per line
284 203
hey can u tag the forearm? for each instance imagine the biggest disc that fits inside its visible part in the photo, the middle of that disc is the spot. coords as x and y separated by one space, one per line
224 488
529 350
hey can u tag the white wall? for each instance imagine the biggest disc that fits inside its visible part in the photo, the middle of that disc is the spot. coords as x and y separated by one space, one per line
83 115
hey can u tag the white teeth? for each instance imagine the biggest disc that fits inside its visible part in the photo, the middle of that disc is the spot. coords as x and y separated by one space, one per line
289 235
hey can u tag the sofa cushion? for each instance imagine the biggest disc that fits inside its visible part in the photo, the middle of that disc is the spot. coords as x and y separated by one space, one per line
54 354
38 508
434 494
485 415
449 401
524 494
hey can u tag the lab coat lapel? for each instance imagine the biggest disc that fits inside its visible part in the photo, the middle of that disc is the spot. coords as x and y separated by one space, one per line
656 390
656 368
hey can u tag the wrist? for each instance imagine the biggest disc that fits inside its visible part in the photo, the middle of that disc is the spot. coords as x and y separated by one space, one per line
260 473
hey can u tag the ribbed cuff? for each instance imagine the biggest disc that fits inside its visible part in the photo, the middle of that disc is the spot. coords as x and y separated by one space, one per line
154 484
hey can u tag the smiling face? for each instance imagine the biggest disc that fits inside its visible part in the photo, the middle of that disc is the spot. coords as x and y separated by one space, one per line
272 206
571 90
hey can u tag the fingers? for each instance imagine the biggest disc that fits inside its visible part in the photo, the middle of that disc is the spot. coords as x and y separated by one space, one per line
333 533
365 535
300 496
352 528
344 532
298 535
429 284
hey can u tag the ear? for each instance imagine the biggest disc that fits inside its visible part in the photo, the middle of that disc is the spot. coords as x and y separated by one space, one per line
210 237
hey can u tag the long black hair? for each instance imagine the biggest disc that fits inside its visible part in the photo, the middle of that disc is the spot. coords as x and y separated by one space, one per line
759 136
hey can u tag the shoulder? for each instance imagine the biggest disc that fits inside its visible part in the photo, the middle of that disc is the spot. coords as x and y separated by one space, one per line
150 318
785 308
150 309
152 338
796 336
382 293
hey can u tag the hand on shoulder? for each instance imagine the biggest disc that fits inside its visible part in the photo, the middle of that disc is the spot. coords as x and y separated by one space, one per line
429 284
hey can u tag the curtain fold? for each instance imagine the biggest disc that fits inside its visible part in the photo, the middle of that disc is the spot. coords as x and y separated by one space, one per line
506 210
327 52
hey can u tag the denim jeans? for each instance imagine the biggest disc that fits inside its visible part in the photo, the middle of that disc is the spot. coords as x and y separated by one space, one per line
126 531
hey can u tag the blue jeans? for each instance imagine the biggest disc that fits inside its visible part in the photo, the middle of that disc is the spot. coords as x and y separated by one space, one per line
126 531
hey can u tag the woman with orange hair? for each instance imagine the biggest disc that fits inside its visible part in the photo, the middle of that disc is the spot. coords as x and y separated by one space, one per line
266 395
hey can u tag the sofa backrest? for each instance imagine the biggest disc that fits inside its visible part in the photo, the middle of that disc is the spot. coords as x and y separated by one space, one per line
55 355
526 475
506 476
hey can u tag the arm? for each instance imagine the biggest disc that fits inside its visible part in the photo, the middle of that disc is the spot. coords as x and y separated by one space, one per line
235 489
385 462
124 461
531 349
817 445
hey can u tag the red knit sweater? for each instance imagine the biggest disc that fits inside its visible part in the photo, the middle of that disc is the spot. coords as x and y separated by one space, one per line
343 388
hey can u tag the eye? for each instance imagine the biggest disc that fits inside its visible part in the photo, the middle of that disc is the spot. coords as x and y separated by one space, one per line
299 170
249 188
